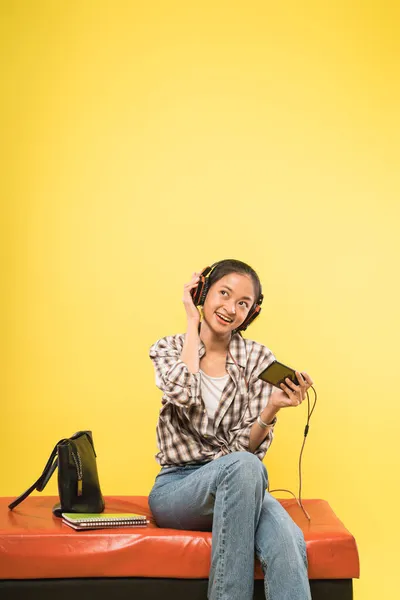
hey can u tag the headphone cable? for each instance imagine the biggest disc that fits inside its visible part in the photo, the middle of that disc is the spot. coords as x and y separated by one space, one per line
306 430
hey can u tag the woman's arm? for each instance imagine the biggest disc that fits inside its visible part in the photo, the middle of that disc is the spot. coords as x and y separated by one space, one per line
191 345
259 433
190 352
251 437
176 364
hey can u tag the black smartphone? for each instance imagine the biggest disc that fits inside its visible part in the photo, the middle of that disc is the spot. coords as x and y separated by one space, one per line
276 374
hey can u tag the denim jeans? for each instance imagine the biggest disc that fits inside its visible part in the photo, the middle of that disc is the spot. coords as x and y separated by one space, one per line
228 497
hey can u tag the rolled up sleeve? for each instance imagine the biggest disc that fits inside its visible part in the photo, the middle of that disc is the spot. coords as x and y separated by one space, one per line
241 440
172 375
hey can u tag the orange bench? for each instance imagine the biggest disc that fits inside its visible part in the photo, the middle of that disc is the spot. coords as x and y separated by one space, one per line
40 556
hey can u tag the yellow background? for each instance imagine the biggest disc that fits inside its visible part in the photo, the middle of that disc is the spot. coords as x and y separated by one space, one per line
143 141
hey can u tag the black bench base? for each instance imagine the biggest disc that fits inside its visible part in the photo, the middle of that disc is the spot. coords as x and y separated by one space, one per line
137 588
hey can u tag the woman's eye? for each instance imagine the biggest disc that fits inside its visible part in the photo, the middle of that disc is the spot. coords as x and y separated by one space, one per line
243 303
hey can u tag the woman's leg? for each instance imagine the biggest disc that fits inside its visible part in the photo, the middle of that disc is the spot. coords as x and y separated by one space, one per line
225 495
281 550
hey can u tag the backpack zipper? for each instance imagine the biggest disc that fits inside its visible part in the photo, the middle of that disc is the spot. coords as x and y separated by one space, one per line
78 465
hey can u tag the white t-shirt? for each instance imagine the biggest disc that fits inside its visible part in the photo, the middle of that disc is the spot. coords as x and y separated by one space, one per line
211 392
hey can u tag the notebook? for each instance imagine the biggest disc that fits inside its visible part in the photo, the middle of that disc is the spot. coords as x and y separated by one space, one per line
86 521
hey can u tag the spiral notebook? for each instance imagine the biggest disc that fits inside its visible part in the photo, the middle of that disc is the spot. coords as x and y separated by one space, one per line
84 521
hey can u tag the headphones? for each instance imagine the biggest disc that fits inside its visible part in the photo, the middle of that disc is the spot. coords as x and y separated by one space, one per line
199 294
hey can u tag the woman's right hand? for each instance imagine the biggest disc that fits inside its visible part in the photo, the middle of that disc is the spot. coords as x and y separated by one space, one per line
192 311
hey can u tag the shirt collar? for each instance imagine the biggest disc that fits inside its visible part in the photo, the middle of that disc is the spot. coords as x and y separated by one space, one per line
237 347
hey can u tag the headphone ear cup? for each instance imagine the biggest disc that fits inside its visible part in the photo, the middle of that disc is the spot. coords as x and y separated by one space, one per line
253 314
204 292
198 291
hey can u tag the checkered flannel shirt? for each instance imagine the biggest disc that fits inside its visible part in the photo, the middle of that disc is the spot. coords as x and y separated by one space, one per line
181 429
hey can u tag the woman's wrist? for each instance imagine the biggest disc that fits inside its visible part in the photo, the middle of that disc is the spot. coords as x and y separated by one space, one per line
193 320
192 328
268 414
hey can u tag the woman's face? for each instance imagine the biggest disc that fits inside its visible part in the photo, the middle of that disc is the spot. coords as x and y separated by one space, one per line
228 302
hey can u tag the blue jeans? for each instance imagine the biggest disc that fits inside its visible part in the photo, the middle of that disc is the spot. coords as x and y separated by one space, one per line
228 497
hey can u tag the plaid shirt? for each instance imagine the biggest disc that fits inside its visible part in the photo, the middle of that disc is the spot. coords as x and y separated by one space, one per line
181 429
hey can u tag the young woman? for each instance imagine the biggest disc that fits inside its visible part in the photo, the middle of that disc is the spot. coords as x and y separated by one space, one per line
215 426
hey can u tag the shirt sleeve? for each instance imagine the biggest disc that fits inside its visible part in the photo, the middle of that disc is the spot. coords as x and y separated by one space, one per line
172 375
241 439
259 393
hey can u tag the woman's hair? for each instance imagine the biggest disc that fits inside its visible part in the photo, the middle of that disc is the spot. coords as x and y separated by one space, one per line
230 265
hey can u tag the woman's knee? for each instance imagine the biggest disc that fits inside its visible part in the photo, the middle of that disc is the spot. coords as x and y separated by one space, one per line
246 467
162 512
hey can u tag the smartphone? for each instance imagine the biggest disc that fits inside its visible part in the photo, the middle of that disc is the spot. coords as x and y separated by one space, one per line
276 374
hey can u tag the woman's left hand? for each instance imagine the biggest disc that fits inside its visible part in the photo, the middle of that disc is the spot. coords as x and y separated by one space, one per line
291 394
